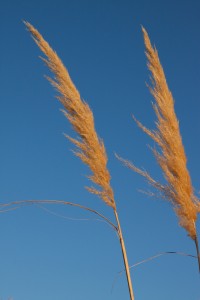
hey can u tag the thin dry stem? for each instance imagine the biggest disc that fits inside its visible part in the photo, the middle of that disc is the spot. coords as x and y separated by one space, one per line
125 258
197 249
90 148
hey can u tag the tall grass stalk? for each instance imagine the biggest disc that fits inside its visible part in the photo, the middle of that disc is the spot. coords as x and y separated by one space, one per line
171 157
90 148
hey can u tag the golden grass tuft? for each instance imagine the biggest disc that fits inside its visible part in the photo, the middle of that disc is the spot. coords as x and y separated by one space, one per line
171 157
90 148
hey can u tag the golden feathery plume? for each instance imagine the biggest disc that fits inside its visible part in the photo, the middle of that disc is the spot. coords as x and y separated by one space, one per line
171 158
90 148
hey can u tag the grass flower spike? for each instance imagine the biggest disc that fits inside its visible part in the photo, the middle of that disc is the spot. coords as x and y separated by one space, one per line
171 157
91 149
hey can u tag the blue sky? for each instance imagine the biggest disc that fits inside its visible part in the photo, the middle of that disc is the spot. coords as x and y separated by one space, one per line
45 254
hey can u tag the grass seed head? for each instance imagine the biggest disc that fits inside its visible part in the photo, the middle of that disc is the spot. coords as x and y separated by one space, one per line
171 156
90 148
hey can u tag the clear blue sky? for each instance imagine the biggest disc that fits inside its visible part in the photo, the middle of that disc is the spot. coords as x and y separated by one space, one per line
46 257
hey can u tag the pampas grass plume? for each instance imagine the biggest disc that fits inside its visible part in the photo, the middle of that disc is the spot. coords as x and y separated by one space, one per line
90 148
171 157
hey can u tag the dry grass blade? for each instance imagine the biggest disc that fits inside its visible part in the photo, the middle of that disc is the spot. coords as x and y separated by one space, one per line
4 207
171 157
90 148
151 258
